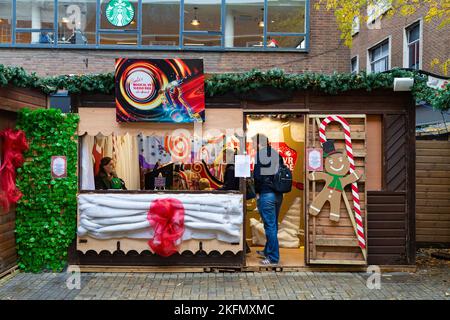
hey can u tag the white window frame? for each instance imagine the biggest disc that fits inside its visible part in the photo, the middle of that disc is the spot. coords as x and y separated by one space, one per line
376 10
355 25
357 64
368 62
405 44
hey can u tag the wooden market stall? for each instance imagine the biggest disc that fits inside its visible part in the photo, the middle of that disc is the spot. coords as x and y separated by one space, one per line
382 132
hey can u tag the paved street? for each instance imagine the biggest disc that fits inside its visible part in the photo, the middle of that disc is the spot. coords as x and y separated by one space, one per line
425 284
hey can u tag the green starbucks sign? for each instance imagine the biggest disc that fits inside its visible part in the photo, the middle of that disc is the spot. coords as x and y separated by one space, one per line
120 13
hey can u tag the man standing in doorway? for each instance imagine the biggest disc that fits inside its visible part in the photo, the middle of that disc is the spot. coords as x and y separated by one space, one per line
269 202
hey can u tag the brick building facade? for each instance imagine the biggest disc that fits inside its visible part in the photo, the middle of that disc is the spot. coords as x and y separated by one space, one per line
434 41
326 54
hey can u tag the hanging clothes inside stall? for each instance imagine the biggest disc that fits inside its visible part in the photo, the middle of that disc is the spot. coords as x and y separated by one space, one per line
87 162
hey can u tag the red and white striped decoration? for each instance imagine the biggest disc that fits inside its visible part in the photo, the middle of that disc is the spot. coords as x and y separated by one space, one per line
355 190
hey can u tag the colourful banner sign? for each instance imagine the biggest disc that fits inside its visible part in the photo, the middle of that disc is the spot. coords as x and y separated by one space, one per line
160 90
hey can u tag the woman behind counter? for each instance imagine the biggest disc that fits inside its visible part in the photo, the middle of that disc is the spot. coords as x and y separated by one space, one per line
107 178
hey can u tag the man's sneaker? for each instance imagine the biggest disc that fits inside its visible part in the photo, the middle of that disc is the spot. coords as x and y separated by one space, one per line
267 263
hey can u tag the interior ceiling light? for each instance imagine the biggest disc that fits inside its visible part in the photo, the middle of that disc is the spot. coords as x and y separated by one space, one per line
195 21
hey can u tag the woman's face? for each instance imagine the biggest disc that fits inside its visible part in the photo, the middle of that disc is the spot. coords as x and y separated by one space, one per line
109 167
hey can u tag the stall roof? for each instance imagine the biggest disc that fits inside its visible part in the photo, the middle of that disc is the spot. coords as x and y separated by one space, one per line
426 115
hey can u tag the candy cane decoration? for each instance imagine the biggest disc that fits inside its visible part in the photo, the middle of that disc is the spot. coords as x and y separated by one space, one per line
355 190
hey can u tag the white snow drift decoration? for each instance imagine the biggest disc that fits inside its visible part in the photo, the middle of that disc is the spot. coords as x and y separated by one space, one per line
206 216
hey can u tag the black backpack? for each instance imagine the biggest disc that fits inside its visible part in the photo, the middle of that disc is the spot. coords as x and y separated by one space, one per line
282 180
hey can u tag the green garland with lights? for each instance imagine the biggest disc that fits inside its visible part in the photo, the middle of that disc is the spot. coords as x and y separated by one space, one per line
220 84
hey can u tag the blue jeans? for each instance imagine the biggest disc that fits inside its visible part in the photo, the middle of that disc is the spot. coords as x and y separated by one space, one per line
269 205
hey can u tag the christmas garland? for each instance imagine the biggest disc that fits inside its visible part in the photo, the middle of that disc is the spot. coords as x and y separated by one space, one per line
220 84
46 213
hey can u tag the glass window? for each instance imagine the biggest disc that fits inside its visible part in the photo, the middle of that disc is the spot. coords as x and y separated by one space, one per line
76 22
201 15
118 14
355 25
286 16
35 14
207 40
5 21
244 24
38 37
413 37
354 65
118 39
379 57
115 22
377 8
160 22
286 42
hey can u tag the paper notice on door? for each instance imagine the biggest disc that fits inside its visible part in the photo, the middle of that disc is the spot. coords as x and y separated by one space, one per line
242 166
315 159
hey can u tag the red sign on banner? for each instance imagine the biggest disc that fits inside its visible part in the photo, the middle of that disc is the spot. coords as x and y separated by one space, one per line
288 154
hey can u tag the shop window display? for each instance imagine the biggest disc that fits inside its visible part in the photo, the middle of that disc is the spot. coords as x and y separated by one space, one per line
154 162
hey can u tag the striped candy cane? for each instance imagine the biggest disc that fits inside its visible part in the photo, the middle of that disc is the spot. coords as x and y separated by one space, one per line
349 149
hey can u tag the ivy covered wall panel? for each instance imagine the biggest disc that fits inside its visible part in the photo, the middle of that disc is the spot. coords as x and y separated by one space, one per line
46 213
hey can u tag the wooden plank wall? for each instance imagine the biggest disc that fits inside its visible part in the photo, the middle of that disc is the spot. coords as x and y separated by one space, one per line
13 99
8 255
386 227
433 193
395 137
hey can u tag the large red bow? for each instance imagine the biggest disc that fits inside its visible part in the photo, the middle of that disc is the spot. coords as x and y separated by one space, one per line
14 144
166 216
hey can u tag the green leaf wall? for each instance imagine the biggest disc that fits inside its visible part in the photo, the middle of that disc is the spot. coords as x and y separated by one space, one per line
46 213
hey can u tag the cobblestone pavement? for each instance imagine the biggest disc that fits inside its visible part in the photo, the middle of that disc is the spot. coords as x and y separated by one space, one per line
424 284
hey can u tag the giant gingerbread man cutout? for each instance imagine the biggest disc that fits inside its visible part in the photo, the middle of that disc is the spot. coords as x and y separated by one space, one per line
336 178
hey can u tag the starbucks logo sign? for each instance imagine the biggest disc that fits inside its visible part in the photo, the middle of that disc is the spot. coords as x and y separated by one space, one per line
120 13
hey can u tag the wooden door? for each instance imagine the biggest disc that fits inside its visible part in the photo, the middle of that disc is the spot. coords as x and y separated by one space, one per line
330 241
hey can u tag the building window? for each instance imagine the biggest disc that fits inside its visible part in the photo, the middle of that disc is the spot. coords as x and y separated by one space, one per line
156 31
244 24
377 8
76 22
5 21
202 23
157 24
379 57
35 22
354 65
413 46
355 25
283 17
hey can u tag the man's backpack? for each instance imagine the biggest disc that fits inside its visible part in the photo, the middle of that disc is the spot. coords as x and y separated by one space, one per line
282 180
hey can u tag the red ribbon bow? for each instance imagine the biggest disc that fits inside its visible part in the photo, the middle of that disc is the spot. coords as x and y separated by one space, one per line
166 216
14 144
